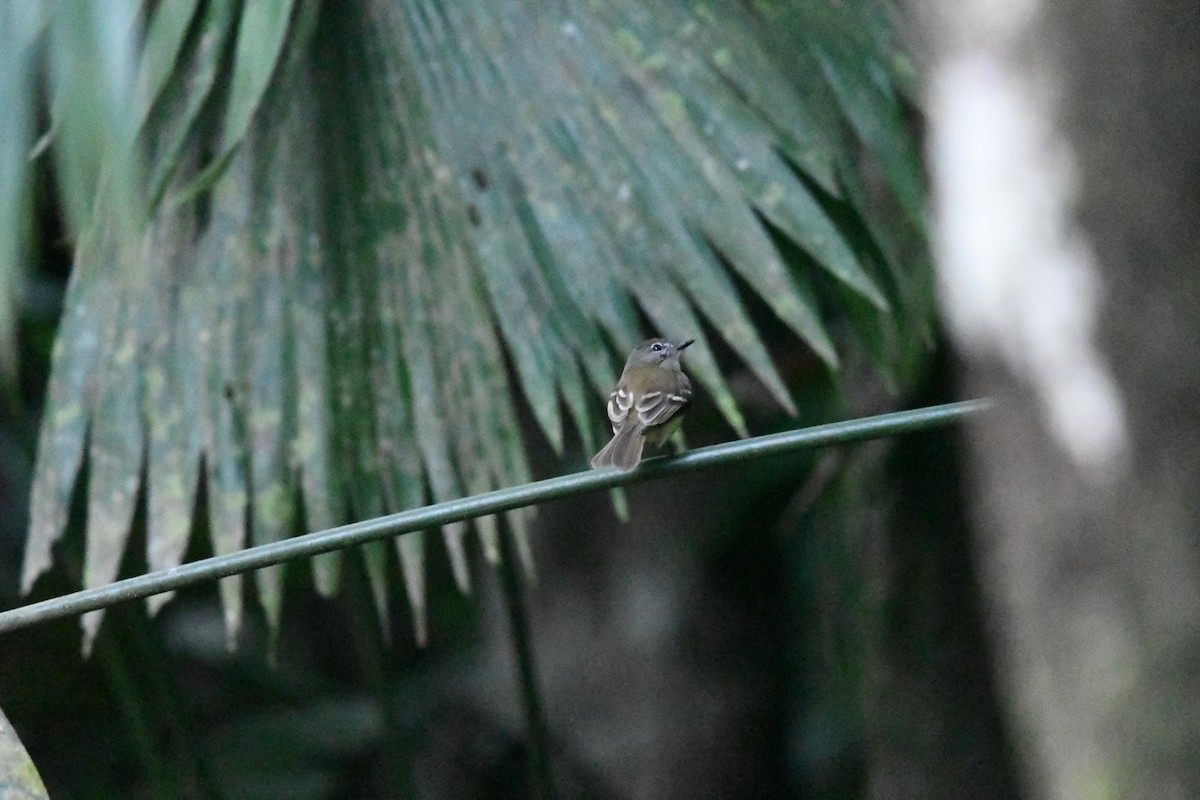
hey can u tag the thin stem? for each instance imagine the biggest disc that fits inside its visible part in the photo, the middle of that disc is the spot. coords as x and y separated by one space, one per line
367 630
540 773
163 690
479 505
132 705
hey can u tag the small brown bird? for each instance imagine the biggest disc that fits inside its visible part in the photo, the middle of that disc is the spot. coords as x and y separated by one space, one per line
653 387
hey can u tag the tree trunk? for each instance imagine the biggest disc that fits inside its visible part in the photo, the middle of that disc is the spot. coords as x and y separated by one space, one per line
1066 161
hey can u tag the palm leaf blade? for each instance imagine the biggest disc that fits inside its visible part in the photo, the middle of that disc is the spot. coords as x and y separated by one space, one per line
413 201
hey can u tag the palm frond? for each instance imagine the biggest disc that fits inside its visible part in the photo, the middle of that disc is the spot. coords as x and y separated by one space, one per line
21 778
374 213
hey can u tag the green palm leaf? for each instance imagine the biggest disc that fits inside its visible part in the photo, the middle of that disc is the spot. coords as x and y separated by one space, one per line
19 778
373 211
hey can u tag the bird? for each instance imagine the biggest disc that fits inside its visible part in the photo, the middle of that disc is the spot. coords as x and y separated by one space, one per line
648 403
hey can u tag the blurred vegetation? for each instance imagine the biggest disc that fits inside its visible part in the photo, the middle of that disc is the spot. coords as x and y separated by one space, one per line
329 261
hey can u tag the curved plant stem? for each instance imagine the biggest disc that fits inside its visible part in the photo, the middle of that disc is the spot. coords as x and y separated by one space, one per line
311 544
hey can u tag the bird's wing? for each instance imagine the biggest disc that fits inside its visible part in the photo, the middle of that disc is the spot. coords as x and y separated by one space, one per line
619 403
655 408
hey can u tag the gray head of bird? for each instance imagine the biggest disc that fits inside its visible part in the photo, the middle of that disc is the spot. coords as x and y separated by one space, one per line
656 351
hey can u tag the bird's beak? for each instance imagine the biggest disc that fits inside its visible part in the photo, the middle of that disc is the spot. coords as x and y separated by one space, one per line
685 345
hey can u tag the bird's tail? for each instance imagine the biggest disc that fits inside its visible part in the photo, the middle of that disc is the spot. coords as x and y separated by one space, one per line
623 452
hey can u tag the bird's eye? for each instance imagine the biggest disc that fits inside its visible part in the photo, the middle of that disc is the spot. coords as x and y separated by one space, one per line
657 347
